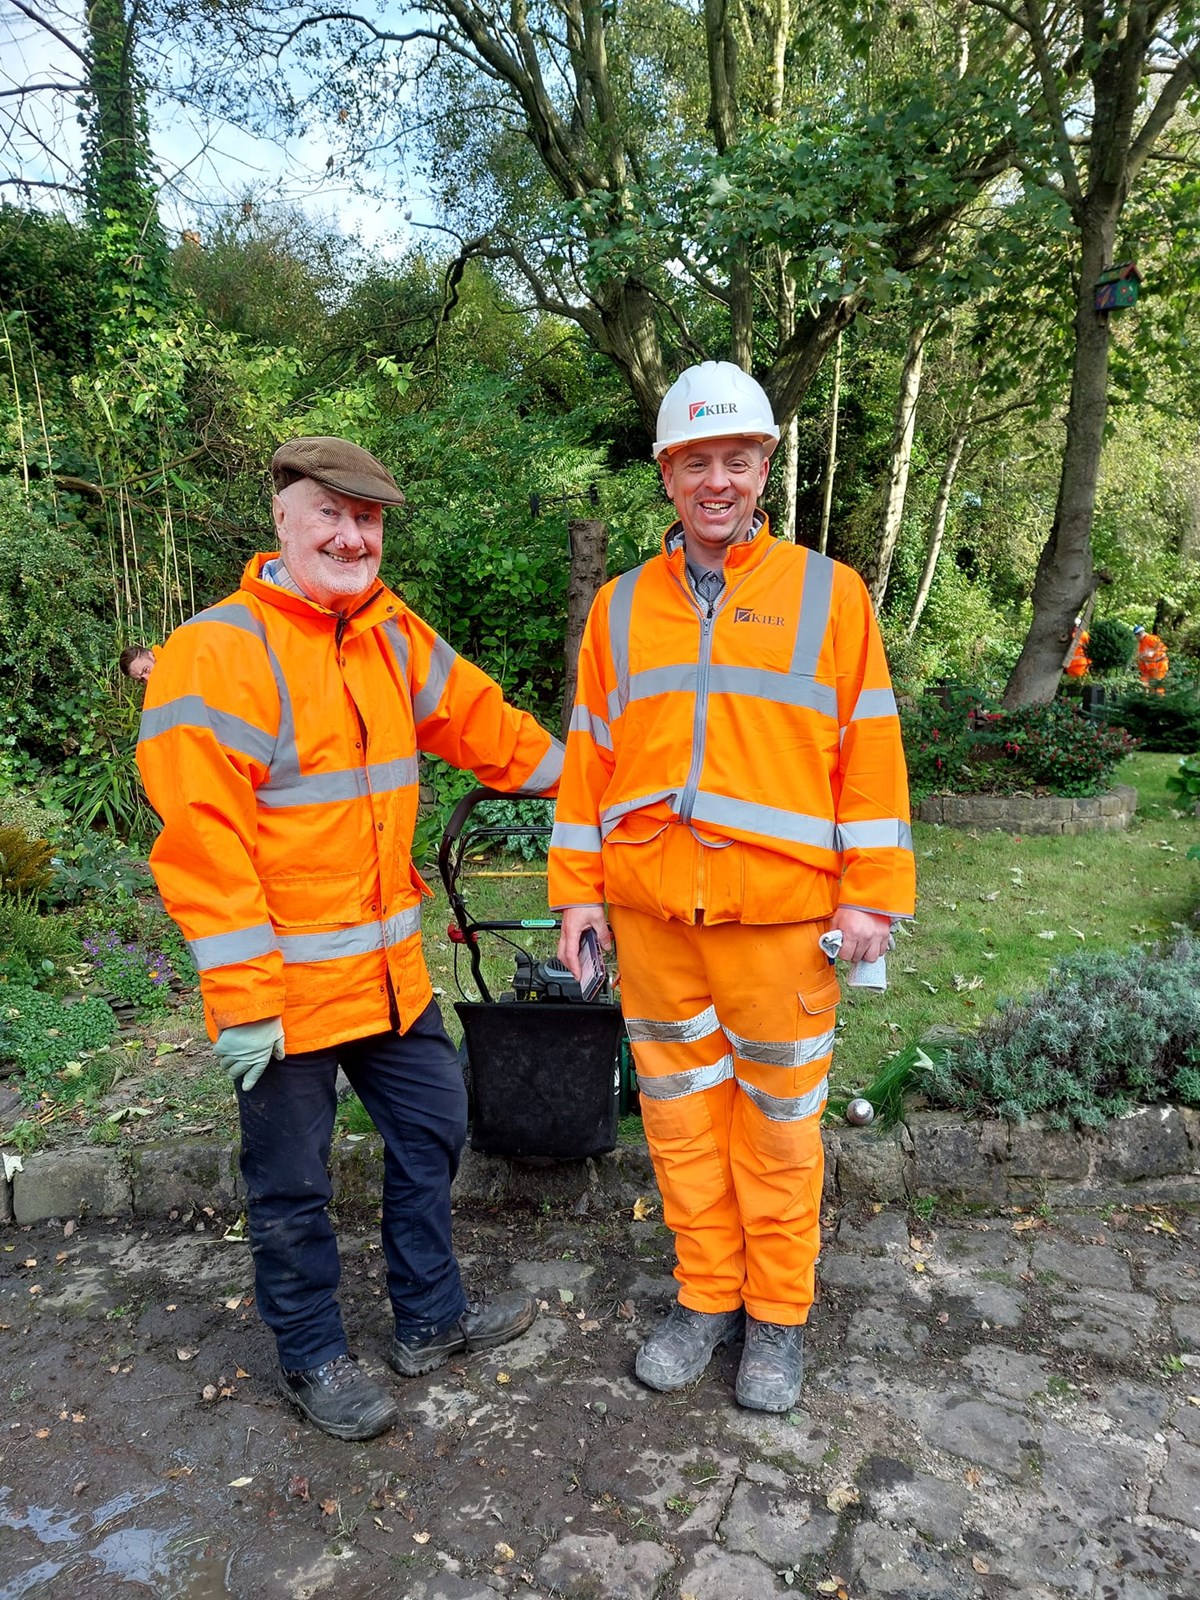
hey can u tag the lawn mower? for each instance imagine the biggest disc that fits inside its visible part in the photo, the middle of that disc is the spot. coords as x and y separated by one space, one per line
548 1073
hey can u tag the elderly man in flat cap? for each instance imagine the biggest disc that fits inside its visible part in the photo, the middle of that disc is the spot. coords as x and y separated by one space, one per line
279 745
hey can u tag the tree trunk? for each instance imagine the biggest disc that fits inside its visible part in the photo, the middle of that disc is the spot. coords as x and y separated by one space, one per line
941 509
901 459
1064 572
589 568
831 457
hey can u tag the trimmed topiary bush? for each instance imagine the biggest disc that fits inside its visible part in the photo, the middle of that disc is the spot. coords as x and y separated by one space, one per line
1110 646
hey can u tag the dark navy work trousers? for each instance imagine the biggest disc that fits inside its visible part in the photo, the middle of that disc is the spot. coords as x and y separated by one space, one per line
412 1087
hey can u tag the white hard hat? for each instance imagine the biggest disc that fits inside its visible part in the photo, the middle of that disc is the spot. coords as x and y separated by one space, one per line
715 400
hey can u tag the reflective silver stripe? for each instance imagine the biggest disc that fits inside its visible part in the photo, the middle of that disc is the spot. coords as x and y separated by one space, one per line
610 818
674 1085
769 821
881 833
780 1110
227 949
441 660
780 688
398 639
337 943
662 680
231 615
782 1052
687 1031
620 611
348 783
575 836
816 598
585 721
192 711
548 770
874 703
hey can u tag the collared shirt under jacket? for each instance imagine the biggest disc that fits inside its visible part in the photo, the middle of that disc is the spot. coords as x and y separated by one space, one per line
740 758
279 744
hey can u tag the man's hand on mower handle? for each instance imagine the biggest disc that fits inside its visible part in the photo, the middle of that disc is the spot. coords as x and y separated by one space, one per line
574 920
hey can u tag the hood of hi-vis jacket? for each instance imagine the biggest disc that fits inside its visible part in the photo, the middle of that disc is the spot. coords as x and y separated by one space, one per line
765 721
279 744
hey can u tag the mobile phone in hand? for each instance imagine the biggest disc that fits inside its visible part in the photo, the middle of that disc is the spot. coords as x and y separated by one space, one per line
592 976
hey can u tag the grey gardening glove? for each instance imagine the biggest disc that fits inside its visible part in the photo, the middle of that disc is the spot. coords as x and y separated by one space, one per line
245 1050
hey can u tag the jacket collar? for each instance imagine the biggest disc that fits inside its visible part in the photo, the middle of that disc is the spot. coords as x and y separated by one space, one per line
366 611
739 558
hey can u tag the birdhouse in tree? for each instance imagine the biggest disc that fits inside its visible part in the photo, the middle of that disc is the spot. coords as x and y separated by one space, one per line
1117 286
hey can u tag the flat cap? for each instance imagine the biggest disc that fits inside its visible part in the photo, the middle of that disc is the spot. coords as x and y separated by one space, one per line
337 464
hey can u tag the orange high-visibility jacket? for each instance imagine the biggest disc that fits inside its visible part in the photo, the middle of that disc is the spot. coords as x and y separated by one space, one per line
1151 658
279 745
1080 663
745 760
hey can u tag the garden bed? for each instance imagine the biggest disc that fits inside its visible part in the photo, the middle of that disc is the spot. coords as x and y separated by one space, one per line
1033 813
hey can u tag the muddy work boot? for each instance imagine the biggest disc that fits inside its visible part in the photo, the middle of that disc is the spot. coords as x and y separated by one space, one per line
772 1368
678 1352
482 1325
341 1399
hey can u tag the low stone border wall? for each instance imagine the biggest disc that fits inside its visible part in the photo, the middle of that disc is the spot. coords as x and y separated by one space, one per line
1151 1155
1029 813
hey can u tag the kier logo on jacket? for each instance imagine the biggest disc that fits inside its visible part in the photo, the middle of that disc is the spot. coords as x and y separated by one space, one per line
744 614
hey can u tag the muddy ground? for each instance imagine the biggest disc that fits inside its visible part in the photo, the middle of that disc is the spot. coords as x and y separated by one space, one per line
995 1406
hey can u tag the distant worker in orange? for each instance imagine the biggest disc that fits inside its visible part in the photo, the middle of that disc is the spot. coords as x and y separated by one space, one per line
1080 663
1152 660
734 788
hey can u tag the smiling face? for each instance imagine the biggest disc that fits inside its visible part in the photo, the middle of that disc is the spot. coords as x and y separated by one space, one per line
331 543
714 485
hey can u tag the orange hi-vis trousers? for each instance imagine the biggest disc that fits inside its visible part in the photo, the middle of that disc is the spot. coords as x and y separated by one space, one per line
732 1030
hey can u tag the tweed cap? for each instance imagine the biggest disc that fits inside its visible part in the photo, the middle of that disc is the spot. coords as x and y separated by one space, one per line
337 464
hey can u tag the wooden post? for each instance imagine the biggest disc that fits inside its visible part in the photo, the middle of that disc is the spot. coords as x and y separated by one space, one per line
589 568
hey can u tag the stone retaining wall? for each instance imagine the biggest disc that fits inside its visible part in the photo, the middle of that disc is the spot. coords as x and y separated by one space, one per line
1028 813
1151 1155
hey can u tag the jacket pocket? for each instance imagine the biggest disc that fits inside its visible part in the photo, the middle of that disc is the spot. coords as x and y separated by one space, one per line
314 901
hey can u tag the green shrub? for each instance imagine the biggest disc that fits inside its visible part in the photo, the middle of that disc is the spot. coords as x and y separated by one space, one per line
1109 1032
960 742
1110 645
25 867
1186 782
1168 722
91 867
42 1034
33 948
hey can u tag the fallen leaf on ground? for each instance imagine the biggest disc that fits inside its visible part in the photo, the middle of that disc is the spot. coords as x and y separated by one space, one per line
840 1498
240 1483
234 1304
330 1507
641 1209
504 1551
209 1392
503 1377
297 1488
421 1538
185 1354
565 1296
179 1472
979 1564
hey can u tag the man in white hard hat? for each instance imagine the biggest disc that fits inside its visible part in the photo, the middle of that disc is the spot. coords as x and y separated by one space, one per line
734 788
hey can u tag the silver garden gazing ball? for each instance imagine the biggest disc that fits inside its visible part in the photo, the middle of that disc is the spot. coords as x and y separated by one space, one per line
860 1113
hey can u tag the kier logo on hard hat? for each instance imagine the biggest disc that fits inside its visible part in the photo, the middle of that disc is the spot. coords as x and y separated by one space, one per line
705 408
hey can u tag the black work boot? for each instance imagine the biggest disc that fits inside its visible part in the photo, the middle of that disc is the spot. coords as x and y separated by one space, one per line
678 1352
772 1368
483 1324
341 1399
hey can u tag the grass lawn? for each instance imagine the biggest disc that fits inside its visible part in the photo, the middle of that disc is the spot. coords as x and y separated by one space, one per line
994 912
